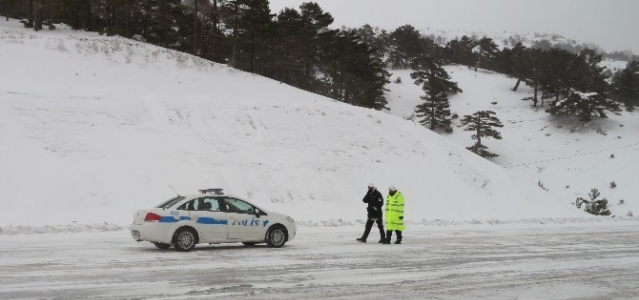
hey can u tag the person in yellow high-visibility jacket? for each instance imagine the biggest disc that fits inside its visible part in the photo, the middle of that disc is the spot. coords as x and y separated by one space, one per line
394 215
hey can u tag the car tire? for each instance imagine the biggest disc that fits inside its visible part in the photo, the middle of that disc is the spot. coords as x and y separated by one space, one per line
276 236
162 245
184 239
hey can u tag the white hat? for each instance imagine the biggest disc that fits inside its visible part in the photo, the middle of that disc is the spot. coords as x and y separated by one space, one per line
371 185
392 188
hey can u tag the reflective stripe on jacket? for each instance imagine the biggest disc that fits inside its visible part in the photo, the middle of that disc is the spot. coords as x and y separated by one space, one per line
395 212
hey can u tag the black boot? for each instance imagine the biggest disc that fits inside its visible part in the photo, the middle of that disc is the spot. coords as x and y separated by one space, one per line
388 237
382 236
362 240
399 237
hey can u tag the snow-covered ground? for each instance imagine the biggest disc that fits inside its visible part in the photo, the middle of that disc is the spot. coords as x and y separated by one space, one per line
93 128
517 261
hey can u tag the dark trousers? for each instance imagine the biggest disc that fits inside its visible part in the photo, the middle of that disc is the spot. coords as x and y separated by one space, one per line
389 234
369 226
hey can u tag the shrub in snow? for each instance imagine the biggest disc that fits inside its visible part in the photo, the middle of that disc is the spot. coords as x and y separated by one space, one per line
621 202
613 185
629 214
541 185
398 80
594 206
602 132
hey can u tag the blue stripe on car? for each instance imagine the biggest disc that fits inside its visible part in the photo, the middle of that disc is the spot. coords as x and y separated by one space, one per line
168 219
182 218
265 222
211 221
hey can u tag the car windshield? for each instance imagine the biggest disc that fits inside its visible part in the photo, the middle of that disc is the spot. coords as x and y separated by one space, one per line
170 202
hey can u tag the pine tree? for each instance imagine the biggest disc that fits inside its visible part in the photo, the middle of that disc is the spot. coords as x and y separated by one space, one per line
374 38
520 64
460 51
557 76
583 105
625 86
578 85
587 73
437 86
594 206
352 72
290 49
487 52
8 8
75 13
314 22
483 124
406 46
212 44
253 33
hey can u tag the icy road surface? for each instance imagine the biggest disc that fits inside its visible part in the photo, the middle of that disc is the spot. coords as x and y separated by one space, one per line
574 261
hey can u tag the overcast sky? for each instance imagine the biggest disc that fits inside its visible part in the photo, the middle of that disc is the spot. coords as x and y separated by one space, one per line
612 24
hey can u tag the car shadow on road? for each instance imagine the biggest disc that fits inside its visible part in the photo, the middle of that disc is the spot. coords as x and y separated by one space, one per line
204 247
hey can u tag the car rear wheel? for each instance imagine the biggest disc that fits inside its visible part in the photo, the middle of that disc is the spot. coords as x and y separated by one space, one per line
184 239
162 245
276 236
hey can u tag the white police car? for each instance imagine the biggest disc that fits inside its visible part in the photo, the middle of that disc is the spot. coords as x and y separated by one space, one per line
210 217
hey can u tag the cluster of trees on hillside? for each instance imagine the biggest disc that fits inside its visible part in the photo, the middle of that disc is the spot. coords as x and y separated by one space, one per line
294 46
570 83
297 47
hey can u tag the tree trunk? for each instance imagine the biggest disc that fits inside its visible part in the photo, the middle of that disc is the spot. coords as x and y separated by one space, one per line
214 32
478 135
30 20
517 84
479 58
234 49
432 111
38 16
195 13
535 94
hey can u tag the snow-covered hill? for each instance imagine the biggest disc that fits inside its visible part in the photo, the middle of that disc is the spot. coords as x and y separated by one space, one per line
93 128
563 155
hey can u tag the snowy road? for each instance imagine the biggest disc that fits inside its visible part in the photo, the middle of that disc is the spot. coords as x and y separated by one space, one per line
575 261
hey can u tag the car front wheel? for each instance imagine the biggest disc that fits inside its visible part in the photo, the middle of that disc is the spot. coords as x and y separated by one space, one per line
184 239
276 236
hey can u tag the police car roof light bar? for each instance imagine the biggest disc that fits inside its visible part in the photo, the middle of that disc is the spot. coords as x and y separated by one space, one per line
216 191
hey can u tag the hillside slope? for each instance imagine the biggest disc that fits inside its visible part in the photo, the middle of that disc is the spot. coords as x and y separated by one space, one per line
564 155
93 128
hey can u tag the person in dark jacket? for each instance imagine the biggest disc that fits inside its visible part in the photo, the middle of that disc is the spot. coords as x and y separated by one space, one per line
375 202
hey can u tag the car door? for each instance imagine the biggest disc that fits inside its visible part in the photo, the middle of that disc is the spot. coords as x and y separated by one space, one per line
245 221
209 219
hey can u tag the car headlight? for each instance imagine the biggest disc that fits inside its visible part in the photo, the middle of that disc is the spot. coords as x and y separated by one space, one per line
290 220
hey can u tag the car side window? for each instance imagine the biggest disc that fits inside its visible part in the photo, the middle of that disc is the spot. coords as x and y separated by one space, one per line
239 206
201 204
213 204
190 205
